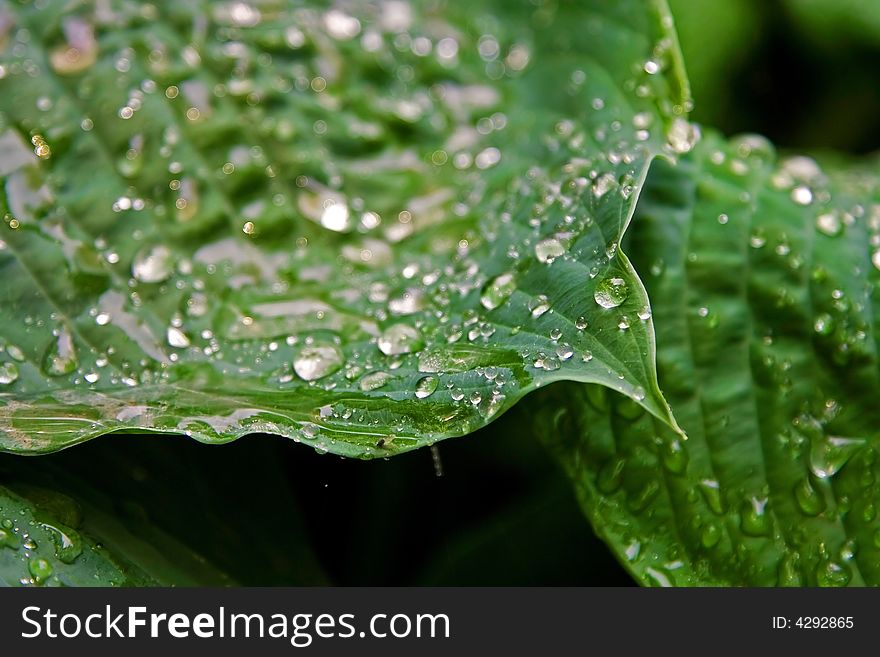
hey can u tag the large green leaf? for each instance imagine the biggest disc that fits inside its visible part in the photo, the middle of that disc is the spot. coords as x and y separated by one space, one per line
764 275
370 231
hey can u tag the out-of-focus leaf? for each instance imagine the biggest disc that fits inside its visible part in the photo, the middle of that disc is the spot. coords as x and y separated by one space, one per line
366 230
764 277
48 538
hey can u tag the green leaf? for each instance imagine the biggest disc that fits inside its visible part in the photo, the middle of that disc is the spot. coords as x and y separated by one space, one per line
48 538
764 279
368 232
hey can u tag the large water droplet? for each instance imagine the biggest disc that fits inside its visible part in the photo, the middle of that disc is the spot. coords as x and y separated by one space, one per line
809 500
152 264
60 356
610 476
8 373
426 386
316 361
539 305
400 339
674 456
549 249
710 535
828 454
611 292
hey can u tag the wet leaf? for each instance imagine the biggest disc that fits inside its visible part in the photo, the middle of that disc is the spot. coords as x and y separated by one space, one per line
764 277
367 231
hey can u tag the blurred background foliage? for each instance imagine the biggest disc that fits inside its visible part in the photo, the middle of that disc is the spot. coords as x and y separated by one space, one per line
802 72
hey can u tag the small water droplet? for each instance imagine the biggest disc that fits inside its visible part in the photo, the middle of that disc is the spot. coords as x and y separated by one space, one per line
60 356
674 456
316 361
711 491
831 573
400 339
539 305
710 535
809 500
802 195
8 373
829 223
682 136
754 518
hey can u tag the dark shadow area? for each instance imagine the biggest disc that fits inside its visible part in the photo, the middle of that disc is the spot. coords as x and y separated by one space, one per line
271 512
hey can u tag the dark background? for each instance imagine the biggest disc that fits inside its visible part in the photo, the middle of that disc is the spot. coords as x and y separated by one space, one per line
803 73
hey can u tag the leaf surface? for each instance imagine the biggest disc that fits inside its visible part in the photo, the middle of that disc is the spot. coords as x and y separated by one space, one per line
367 231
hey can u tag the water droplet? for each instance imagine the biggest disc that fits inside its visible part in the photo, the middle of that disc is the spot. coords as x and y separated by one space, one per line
60 356
824 324
548 250
426 386
336 217
831 573
754 519
611 292
497 290
802 195
829 223
152 264
40 569
177 338
539 305
581 323
564 351
710 535
374 381
610 476
682 136
8 373
828 454
68 543
711 491
400 339
809 500
674 456
316 361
